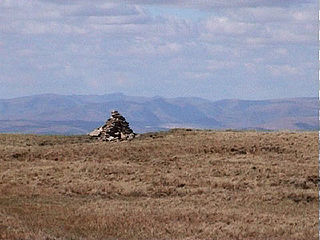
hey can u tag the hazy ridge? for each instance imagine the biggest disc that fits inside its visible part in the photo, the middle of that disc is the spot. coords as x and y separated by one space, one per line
78 114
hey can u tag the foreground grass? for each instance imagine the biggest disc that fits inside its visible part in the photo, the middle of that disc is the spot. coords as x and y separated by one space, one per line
175 185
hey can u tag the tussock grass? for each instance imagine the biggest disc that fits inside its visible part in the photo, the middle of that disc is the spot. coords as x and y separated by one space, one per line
179 184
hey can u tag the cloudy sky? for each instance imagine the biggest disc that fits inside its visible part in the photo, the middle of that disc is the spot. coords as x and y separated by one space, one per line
215 49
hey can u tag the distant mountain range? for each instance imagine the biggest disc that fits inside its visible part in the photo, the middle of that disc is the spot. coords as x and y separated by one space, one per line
79 114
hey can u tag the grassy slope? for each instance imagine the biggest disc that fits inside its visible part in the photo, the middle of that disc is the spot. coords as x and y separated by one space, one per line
175 185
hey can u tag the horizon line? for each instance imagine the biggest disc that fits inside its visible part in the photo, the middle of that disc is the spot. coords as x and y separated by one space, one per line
155 97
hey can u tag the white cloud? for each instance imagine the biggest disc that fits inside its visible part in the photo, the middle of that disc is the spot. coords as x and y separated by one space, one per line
282 70
214 65
168 48
197 75
34 27
97 39
106 9
221 3
225 26
263 26
273 14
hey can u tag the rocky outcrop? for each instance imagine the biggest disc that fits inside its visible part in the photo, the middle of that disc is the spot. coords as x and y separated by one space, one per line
115 129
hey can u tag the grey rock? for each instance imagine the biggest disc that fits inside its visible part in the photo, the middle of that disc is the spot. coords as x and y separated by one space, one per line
115 129
95 133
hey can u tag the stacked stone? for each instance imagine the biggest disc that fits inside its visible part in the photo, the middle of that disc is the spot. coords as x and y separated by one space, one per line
115 129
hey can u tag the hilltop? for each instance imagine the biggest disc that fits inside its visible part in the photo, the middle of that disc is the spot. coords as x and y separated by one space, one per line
180 184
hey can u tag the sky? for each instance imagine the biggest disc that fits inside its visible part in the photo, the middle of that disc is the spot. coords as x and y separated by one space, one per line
213 49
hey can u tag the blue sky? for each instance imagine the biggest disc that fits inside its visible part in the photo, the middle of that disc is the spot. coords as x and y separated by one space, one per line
249 49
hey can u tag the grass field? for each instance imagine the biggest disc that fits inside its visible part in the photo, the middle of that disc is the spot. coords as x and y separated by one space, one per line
169 185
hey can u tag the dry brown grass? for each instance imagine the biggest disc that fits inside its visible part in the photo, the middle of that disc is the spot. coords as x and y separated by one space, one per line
176 185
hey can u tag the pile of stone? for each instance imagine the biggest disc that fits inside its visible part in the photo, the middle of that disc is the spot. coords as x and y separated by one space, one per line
115 129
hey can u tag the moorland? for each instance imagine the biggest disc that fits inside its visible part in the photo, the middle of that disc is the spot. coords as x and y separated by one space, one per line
179 184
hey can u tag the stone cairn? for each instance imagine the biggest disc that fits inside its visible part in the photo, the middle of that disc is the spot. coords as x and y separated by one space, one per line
115 129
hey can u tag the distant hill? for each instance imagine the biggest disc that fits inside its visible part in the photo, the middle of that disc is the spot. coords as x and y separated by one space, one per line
79 114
